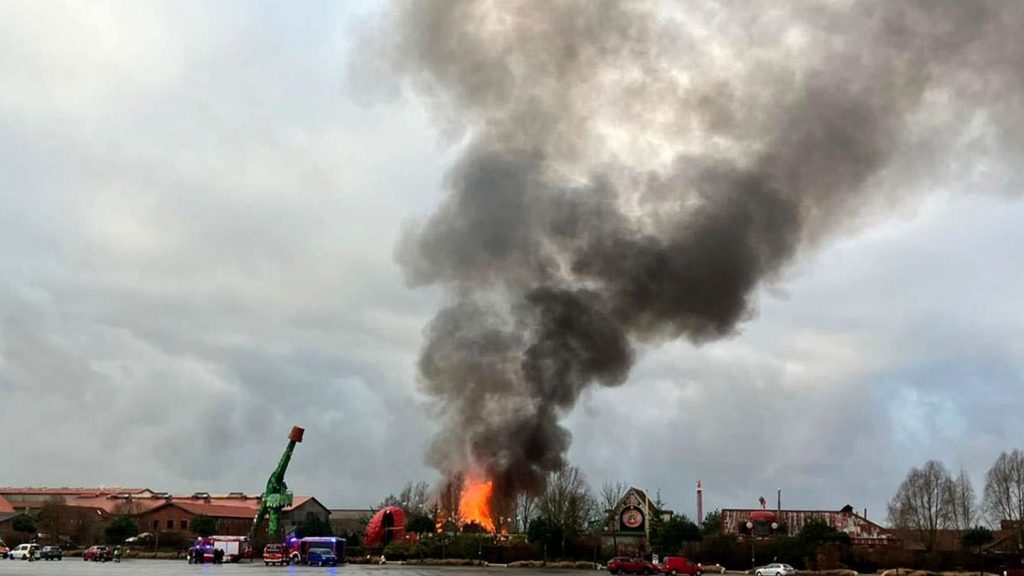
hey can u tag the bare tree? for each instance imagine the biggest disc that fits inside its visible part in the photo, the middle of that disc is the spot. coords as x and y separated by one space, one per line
963 512
449 498
567 503
611 494
921 502
83 525
1004 489
414 497
526 510
52 518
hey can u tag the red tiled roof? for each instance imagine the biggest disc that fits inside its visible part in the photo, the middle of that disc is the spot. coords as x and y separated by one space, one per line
216 510
114 505
250 502
66 491
143 500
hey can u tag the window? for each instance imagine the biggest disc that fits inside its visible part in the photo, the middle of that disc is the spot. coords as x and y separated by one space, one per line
156 524
170 524
184 524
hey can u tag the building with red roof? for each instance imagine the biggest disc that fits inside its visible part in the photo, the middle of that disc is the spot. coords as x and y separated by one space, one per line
5 507
766 522
154 512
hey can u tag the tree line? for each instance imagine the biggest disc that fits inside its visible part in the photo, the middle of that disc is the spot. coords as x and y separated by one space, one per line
567 516
930 499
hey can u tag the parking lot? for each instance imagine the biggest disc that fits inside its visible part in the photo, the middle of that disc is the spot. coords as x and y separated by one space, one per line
75 566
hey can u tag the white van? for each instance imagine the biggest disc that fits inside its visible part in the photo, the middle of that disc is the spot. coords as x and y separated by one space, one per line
26 552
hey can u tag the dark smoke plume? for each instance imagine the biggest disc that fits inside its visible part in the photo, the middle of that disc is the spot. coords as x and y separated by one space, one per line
632 172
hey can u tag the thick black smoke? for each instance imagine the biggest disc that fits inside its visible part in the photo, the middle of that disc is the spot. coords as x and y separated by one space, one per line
633 171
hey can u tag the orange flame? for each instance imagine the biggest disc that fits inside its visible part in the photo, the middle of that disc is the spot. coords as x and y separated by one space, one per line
475 504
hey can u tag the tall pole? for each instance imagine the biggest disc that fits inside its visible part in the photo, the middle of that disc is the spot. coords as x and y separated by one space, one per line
778 513
647 520
700 505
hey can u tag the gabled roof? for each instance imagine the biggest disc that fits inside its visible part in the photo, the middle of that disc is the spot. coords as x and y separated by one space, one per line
301 500
210 509
5 506
249 501
639 494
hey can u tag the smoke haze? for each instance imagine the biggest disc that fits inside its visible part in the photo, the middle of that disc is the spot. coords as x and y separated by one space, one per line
631 172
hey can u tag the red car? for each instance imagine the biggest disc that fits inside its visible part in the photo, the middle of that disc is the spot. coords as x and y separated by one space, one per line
679 565
627 565
98 554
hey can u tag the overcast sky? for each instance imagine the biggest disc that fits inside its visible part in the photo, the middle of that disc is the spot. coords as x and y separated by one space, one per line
199 207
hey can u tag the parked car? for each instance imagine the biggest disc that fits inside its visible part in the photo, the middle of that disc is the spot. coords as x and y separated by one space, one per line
321 557
775 569
627 565
98 554
51 553
274 554
25 552
679 565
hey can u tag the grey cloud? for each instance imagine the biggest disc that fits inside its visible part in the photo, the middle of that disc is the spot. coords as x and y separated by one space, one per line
197 232
583 251
196 255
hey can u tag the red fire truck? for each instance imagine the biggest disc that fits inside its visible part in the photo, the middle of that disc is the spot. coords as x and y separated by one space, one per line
298 547
235 547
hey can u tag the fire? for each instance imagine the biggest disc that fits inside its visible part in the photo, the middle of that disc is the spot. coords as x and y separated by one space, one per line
475 504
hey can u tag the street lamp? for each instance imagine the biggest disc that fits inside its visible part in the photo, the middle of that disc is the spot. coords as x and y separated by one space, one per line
750 530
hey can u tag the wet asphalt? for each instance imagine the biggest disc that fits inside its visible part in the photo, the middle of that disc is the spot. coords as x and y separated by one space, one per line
75 567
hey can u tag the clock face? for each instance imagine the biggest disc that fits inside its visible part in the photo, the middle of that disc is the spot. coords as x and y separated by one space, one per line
632 518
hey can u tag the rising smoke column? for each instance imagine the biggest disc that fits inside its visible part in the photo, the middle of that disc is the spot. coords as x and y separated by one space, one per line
632 172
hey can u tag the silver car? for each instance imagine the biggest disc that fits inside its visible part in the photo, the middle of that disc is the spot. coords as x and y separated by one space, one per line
775 570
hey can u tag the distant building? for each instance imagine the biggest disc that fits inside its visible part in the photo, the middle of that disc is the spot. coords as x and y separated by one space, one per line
31 498
155 512
350 520
766 523
6 513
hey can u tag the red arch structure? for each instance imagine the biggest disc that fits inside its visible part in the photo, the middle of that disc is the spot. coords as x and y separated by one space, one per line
387 525
762 516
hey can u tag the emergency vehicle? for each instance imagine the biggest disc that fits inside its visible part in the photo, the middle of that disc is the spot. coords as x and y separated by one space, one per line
297 548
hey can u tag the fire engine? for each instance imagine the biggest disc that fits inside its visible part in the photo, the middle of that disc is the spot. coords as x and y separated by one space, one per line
298 547
235 547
